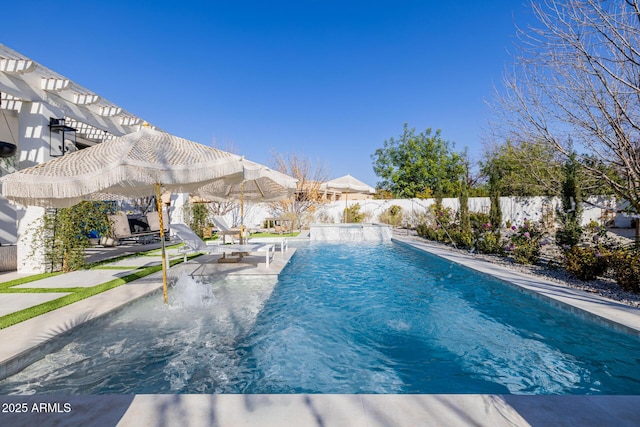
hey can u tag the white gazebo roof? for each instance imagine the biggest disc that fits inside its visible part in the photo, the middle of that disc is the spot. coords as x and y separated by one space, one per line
349 184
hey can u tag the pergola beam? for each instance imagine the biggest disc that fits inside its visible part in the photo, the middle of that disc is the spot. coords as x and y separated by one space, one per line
23 80
54 84
12 65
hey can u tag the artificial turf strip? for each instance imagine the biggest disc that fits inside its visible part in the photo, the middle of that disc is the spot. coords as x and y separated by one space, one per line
40 290
28 279
31 312
80 294
151 252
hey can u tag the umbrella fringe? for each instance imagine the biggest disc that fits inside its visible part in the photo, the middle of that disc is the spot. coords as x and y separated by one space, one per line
128 181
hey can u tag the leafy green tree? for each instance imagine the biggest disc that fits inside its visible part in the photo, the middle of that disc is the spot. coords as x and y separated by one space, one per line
537 169
418 165
494 168
465 183
527 169
590 183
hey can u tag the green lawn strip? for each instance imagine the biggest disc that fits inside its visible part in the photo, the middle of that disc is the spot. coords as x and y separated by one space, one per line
79 294
27 279
39 290
150 252
31 312
156 252
98 265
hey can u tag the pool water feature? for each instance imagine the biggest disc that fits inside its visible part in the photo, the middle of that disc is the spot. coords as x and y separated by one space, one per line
350 232
343 318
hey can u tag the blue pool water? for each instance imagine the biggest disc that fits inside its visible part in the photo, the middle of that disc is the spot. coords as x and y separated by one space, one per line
348 318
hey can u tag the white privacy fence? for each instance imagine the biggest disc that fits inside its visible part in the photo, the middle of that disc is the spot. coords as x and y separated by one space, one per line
514 210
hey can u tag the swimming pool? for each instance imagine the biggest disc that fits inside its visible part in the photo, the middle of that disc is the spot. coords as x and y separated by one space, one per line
342 318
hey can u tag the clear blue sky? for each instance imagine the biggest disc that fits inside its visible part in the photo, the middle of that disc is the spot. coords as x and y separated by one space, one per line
328 80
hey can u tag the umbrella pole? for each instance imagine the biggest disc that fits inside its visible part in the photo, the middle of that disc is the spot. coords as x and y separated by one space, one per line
164 260
241 212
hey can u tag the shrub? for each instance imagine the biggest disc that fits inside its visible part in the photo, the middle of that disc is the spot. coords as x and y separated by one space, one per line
586 262
64 233
442 215
593 226
525 243
422 229
392 216
489 242
525 252
626 269
478 219
197 217
437 233
462 238
353 213
570 235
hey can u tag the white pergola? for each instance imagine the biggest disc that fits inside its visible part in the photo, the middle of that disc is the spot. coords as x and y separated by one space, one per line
31 96
24 81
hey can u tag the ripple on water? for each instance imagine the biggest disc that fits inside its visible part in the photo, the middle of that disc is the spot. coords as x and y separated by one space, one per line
343 318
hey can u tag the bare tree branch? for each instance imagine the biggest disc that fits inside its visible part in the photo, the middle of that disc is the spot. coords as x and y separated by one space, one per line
576 86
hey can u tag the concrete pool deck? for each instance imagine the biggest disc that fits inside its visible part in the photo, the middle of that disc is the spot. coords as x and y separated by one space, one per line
300 410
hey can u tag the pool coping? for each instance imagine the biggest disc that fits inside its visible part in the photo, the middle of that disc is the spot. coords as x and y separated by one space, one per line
605 311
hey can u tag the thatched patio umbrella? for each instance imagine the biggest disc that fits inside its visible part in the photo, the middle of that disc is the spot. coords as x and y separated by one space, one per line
347 184
258 184
133 165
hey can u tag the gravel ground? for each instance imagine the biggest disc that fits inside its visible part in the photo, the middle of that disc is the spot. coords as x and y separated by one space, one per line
549 268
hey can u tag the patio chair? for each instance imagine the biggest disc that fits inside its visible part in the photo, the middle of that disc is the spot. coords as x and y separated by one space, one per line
224 230
121 228
193 243
154 223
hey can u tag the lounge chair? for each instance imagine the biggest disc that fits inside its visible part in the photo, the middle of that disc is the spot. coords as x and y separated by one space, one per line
154 222
193 243
224 230
121 228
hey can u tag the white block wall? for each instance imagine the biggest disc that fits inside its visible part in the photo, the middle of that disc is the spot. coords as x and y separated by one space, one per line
30 251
